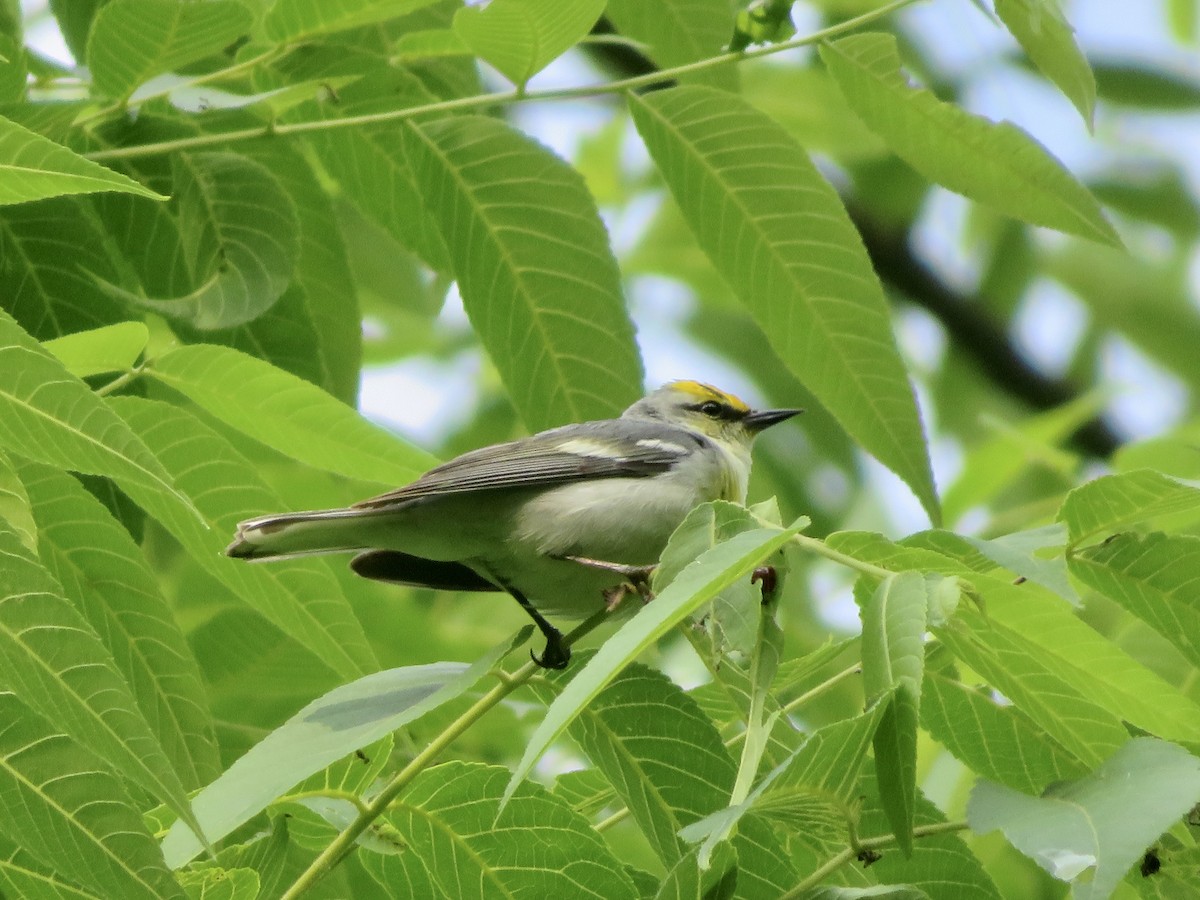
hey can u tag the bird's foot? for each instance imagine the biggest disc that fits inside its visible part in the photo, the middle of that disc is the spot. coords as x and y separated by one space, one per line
613 596
556 655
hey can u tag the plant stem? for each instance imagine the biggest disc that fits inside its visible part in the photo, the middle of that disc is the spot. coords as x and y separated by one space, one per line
871 843
121 380
822 549
344 842
204 78
484 100
821 688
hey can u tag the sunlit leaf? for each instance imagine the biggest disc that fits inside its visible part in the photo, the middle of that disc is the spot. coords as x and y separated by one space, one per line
522 37
103 572
995 740
300 597
677 32
1154 577
1112 503
1049 40
49 415
132 40
111 348
288 20
53 661
533 264
33 167
282 411
15 511
61 805
778 233
996 164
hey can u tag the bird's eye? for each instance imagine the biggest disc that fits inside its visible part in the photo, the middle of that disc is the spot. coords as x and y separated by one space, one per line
711 408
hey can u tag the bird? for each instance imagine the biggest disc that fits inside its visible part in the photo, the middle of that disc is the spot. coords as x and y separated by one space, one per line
563 520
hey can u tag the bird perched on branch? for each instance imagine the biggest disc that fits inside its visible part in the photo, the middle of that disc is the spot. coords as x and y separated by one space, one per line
560 520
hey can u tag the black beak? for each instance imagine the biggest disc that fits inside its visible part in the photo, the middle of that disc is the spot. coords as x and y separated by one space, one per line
759 419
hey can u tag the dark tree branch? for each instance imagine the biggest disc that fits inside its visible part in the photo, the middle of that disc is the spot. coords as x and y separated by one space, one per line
969 324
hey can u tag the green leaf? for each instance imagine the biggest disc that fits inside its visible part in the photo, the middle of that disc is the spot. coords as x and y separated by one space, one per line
878 892
343 720
33 167
534 268
893 659
1095 665
300 597
1030 677
1152 576
1112 503
522 37
677 32
52 251
240 236
688 880
1048 39
996 164
731 623
61 805
819 779
288 20
49 415
634 732
373 168
53 661
700 582
430 43
1090 831
98 351
315 329
15 512
476 845
997 741
103 572
796 263
1034 554
220 884
284 412
133 40
941 865
22 876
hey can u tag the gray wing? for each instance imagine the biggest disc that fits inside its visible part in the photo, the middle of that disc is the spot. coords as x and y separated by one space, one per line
570 453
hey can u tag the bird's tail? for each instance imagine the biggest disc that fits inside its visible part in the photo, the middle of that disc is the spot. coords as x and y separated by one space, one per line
304 533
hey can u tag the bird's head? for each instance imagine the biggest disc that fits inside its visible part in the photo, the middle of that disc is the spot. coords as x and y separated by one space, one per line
714 413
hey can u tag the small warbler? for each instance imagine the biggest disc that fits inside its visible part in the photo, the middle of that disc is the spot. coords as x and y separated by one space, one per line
561 520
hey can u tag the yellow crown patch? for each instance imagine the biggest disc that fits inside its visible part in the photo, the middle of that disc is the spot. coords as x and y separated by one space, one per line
702 391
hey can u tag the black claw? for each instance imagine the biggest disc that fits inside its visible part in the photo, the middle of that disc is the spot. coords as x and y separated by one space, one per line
555 656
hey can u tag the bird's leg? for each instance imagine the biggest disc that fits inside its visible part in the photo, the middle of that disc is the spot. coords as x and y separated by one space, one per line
557 654
637 576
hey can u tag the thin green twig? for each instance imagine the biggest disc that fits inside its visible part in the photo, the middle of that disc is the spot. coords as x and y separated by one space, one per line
484 100
871 843
344 842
